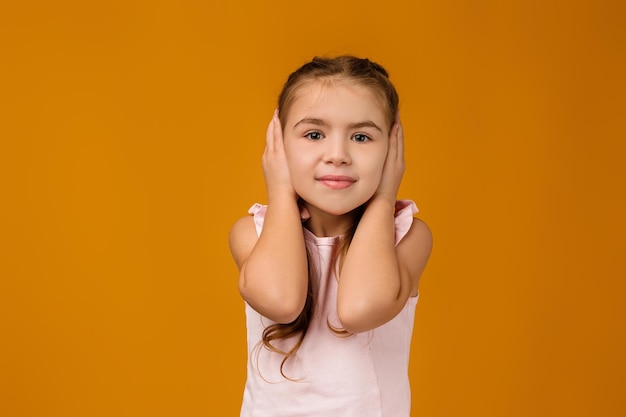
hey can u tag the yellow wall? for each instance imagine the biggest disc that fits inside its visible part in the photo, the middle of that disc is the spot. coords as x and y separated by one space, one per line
130 139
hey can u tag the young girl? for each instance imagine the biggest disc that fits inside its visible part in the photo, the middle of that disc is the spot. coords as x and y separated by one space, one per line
329 268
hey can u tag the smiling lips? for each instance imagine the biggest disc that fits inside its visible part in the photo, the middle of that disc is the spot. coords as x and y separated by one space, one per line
336 182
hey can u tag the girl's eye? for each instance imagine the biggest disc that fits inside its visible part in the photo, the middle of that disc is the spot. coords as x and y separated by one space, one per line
360 137
314 135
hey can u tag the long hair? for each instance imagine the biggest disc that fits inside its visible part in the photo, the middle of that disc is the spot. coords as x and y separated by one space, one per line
363 72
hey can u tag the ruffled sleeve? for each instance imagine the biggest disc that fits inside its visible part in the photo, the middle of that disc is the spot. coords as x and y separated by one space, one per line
405 209
258 211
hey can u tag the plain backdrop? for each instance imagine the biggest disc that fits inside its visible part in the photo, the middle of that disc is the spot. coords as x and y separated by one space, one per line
131 135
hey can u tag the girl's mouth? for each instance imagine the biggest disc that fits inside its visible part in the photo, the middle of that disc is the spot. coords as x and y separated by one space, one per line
336 182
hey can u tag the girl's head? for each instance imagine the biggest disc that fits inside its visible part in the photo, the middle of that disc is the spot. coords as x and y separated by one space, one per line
360 71
336 115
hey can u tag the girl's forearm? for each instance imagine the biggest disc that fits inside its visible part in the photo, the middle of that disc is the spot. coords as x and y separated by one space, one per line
274 279
372 289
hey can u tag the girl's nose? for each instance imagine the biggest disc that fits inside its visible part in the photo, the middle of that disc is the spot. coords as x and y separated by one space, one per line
337 152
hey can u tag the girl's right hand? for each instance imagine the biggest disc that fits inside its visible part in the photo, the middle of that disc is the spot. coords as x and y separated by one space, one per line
275 168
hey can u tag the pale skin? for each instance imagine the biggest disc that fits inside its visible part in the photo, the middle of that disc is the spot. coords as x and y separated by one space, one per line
377 277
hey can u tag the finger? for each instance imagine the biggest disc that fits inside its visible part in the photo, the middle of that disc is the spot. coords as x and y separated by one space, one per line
269 134
396 125
278 131
393 143
400 140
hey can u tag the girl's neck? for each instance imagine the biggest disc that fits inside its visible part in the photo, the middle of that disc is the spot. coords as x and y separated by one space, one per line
323 224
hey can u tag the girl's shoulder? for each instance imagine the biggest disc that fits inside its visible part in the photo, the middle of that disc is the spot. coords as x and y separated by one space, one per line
414 250
421 235
418 239
410 229
242 226
242 238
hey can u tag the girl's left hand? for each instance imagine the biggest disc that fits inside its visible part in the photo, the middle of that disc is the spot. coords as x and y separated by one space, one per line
394 164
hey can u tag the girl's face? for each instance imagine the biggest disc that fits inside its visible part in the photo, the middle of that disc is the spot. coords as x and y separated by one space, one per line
336 139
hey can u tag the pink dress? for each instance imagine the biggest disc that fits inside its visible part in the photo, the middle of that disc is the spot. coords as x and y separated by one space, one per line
363 375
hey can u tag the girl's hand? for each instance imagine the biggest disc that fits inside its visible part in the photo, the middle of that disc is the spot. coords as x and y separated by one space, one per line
394 164
275 168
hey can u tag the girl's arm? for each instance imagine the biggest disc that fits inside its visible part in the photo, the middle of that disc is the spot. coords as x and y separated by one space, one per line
273 271
377 276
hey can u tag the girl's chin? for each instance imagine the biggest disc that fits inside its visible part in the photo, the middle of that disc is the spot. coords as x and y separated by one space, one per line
332 209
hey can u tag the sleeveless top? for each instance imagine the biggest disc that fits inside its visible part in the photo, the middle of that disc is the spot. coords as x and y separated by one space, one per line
331 375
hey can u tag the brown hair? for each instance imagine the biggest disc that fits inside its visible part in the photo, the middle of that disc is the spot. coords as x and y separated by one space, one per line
363 72
345 67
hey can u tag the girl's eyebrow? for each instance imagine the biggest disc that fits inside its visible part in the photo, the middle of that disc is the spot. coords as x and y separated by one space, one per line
358 125
311 121
367 123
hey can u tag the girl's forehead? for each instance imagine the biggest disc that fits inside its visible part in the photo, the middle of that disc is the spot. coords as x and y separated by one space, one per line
320 92
327 85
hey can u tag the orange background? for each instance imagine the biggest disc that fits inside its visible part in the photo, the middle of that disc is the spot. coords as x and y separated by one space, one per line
130 139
